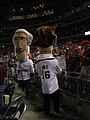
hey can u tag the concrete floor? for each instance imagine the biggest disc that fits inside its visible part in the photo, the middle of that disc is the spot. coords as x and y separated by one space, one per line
34 110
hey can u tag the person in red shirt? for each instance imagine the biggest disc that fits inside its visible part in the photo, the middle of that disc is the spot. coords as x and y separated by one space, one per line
85 58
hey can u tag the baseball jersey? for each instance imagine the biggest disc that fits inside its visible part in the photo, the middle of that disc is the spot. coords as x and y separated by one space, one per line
24 69
47 68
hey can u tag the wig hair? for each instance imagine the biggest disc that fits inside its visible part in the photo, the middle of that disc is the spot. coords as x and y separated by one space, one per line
45 36
28 35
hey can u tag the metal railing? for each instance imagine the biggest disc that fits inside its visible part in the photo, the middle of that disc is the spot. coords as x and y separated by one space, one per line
75 84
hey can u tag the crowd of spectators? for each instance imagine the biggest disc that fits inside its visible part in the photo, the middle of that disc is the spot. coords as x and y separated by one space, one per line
73 54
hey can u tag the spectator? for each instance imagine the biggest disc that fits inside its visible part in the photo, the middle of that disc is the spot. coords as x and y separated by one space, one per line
11 67
3 75
86 58
74 61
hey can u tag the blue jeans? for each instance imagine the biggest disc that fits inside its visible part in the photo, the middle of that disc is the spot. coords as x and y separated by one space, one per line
1 97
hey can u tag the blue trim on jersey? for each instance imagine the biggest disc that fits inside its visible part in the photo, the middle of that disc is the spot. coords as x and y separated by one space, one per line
44 59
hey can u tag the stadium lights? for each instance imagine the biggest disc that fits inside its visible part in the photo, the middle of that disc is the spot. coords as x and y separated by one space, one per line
87 33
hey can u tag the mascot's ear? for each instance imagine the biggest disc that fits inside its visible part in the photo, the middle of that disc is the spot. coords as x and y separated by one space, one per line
30 38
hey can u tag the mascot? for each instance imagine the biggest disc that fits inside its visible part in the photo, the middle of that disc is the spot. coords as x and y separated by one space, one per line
22 39
47 67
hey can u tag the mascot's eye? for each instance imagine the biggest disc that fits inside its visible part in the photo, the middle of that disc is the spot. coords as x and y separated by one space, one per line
22 38
19 37
15 38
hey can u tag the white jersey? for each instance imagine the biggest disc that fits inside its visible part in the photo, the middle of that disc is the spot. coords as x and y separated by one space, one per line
48 67
24 69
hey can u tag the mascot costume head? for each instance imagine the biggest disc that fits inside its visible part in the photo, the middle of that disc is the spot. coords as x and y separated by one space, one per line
45 39
22 39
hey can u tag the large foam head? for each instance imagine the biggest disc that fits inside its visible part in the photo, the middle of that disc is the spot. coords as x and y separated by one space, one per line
29 36
45 37
22 39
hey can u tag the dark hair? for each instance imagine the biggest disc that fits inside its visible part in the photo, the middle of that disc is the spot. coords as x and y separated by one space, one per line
44 36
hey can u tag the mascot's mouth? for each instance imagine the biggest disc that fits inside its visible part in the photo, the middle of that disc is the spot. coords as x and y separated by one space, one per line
19 50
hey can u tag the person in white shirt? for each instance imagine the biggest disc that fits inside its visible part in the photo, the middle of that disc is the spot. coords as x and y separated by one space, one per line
48 67
25 68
